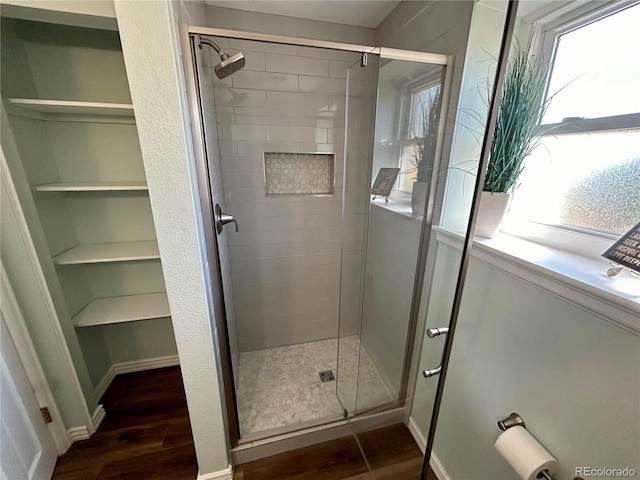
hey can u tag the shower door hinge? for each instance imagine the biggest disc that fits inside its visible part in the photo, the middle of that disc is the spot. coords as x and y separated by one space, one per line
364 60
46 415
346 414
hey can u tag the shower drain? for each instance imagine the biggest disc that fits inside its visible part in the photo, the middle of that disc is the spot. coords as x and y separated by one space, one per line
327 376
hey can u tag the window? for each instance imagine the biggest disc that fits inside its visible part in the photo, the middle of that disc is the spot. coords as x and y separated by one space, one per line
419 134
585 174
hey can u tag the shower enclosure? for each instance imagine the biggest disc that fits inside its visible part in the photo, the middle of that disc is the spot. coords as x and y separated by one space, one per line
320 283
317 285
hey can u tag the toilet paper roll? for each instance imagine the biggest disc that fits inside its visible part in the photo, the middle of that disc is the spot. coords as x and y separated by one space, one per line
525 455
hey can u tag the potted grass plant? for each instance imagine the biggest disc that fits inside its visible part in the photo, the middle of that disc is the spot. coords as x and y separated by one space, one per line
519 112
424 148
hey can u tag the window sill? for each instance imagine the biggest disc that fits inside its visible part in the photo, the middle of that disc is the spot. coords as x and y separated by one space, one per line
579 279
399 207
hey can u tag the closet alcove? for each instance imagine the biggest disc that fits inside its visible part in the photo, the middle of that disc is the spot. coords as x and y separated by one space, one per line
79 163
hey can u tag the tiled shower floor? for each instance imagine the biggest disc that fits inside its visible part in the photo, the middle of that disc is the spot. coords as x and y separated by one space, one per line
280 387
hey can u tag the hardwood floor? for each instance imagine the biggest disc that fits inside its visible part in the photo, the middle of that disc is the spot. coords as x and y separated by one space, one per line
388 446
146 436
390 452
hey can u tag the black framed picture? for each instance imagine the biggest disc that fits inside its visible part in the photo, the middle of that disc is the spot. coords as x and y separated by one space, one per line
385 181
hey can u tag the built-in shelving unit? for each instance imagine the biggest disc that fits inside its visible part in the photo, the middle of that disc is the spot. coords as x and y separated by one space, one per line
69 108
108 252
130 308
90 187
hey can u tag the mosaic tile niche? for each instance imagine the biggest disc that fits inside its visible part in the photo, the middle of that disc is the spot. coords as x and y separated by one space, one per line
299 173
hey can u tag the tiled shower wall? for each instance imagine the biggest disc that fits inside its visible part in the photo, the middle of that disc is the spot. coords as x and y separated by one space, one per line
285 260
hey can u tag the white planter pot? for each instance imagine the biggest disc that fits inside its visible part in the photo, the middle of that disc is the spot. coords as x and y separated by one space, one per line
493 208
419 197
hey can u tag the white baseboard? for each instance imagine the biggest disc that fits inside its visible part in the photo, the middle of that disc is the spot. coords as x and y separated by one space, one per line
434 461
84 432
438 469
417 435
104 383
146 364
226 474
133 366
98 417
78 433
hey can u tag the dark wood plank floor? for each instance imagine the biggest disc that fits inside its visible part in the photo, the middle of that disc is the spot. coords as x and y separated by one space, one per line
146 436
391 453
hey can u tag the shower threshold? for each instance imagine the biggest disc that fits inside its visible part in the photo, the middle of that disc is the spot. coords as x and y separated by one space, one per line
282 440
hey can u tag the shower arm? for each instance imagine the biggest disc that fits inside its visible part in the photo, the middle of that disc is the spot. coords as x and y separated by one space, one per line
212 44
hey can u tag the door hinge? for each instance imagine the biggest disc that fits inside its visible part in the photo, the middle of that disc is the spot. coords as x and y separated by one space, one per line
46 415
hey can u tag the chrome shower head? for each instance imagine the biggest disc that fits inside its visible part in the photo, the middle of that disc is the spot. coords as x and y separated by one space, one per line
228 64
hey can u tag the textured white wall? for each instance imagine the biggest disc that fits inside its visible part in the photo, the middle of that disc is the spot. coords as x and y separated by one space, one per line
151 51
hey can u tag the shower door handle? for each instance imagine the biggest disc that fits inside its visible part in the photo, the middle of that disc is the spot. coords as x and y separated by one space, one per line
436 332
222 219
432 372
432 333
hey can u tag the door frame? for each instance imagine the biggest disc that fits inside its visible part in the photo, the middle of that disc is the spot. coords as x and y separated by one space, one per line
7 182
29 358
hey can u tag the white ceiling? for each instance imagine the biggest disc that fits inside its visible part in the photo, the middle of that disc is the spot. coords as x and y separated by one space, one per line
362 13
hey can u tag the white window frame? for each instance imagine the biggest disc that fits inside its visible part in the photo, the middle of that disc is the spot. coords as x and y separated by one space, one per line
408 91
545 32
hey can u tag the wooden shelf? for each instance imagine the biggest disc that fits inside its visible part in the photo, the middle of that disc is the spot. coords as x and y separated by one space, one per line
90 187
108 252
107 311
64 107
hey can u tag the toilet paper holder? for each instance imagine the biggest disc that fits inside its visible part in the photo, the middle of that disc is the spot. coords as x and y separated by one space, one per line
515 420
512 420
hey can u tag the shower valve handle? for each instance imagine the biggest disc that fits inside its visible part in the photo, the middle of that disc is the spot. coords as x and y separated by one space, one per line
222 219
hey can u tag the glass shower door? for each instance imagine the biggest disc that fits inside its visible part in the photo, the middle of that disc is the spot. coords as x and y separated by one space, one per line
414 257
382 239
354 178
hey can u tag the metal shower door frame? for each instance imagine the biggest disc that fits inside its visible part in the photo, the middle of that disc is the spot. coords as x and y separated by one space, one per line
216 298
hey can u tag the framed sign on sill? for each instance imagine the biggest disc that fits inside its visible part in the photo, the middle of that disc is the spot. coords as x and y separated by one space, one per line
625 253
384 183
